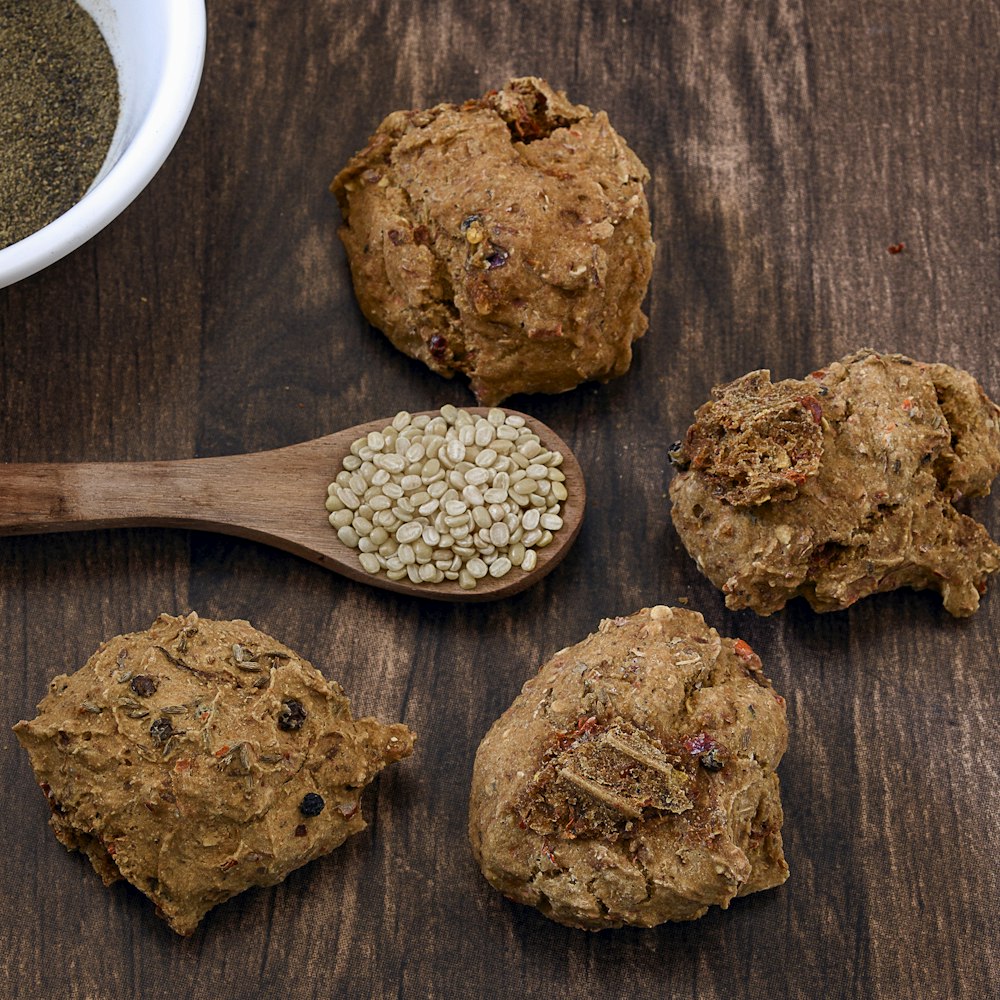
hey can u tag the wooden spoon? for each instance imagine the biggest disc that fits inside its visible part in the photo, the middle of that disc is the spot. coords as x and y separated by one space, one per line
276 497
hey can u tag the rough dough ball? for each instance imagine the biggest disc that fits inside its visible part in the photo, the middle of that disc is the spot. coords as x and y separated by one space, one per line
632 780
201 758
506 238
840 485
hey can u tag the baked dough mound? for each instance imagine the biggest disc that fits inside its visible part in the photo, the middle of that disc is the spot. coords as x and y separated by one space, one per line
632 780
840 485
201 758
506 238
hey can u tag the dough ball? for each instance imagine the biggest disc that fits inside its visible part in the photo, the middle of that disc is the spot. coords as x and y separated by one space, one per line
506 238
201 758
632 780
840 485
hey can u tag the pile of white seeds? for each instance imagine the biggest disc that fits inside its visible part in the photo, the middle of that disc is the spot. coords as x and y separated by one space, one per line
448 497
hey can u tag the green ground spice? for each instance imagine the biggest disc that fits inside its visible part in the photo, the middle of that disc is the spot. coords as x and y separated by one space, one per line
58 111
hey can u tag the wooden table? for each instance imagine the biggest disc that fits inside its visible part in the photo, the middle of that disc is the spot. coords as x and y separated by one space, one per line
790 145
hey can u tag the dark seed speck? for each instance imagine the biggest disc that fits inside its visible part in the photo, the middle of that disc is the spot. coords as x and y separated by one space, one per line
291 716
311 804
143 685
161 731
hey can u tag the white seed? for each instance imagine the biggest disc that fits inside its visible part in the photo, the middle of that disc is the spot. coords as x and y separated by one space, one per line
369 562
499 534
352 462
401 420
477 568
494 495
530 560
530 519
551 522
406 555
341 518
409 532
477 476
454 507
411 484
516 554
362 525
486 458
472 496
500 566
466 580
348 536
482 517
454 451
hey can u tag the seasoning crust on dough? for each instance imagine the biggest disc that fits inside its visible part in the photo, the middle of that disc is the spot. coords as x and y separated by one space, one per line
506 238
840 485
632 780
200 758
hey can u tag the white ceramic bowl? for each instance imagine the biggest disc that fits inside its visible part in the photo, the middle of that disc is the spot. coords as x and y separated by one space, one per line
159 49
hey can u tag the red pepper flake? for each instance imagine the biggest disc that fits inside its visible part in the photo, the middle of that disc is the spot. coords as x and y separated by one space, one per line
896 248
228 864
300 830
699 744
907 405
222 751
813 405
183 765
743 650
818 374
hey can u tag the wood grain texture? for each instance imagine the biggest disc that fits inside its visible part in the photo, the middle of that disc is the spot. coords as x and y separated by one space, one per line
790 143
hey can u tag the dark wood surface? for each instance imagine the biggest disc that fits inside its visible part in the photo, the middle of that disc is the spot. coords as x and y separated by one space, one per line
790 145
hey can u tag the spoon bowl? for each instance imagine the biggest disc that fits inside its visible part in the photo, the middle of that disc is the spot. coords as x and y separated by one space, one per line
276 497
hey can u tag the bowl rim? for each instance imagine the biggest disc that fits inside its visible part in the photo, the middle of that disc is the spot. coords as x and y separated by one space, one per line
169 109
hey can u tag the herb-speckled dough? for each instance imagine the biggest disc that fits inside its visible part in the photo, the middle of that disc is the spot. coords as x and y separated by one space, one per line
506 238
188 760
840 485
632 780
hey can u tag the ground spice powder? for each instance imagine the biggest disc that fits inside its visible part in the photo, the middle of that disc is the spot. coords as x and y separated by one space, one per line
58 111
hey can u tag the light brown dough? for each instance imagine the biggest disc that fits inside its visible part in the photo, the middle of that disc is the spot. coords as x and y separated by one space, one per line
506 239
840 485
632 780
200 758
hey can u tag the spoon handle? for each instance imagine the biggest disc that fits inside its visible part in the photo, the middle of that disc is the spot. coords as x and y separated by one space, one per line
44 497
235 494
